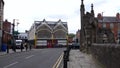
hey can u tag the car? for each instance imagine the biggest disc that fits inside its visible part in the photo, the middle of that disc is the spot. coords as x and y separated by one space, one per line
75 46
18 44
58 45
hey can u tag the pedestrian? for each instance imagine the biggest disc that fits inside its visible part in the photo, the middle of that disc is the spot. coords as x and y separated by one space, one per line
26 46
21 46
8 43
13 43
30 46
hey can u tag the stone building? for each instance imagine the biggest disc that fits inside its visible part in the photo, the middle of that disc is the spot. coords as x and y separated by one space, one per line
88 27
90 31
48 33
1 19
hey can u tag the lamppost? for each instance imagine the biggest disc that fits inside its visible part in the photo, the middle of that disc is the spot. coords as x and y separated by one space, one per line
13 34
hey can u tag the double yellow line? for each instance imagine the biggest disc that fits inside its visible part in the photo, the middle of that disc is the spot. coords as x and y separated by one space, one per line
57 64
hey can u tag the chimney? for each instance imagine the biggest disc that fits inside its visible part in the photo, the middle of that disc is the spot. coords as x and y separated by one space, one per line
118 16
99 16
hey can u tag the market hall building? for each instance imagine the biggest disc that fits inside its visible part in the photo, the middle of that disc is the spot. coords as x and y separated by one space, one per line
48 33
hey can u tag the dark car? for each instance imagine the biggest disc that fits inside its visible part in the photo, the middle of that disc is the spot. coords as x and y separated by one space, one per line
75 46
58 45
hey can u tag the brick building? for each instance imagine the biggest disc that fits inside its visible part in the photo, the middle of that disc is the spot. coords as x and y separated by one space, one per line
6 31
110 22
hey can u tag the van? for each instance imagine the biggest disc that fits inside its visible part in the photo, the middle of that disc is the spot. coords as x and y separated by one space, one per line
18 43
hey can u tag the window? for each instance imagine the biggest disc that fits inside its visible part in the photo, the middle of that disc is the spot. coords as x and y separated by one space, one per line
104 25
111 25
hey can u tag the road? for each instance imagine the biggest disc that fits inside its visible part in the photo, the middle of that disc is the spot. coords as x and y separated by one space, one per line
38 58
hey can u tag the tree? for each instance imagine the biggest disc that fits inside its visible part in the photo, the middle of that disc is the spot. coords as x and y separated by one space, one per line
71 35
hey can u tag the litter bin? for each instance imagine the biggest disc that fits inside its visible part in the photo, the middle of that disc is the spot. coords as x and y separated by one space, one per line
4 47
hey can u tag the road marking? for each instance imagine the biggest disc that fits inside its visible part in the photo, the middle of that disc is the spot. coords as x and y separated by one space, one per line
29 56
10 65
56 65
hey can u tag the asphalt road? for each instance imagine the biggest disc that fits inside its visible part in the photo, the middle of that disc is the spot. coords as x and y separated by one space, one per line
38 58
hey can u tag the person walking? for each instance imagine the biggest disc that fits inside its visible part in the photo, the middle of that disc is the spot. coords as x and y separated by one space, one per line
26 45
30 46
21 47
8 44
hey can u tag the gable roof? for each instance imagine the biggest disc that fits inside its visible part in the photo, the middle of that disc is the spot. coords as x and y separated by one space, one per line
52 24
109 19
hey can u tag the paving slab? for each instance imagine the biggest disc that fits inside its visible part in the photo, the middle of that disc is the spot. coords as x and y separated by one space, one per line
11 51
79 59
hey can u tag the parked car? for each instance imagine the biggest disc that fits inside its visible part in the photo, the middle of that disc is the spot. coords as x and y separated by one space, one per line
18 44
58 45
75 46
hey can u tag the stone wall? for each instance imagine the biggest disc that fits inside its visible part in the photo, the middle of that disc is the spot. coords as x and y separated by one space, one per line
107 54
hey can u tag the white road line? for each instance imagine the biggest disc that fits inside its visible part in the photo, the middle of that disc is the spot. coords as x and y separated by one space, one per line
10 65
29 56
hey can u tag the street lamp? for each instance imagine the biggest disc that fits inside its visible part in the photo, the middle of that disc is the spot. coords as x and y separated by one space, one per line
13 26
13 30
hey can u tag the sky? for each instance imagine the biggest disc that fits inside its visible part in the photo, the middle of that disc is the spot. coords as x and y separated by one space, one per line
27 11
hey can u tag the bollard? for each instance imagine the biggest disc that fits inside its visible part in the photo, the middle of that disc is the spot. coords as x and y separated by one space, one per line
65 59
7 49
68 51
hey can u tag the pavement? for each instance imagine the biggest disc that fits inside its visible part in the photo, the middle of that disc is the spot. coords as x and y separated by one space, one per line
11 51
79 59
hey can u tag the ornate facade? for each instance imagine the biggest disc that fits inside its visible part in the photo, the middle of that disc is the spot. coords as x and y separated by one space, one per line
90 31
48 33
88 27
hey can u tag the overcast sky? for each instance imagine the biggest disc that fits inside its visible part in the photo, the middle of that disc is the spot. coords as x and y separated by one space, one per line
27 11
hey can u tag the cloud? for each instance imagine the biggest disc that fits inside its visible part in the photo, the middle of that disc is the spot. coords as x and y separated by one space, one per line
67 10
63 17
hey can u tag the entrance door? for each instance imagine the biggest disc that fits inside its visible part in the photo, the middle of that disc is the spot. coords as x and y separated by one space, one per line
55 42
49 43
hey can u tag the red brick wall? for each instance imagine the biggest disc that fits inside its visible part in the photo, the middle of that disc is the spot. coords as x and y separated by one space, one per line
7 26
114 29
108 25
99 25
6 31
